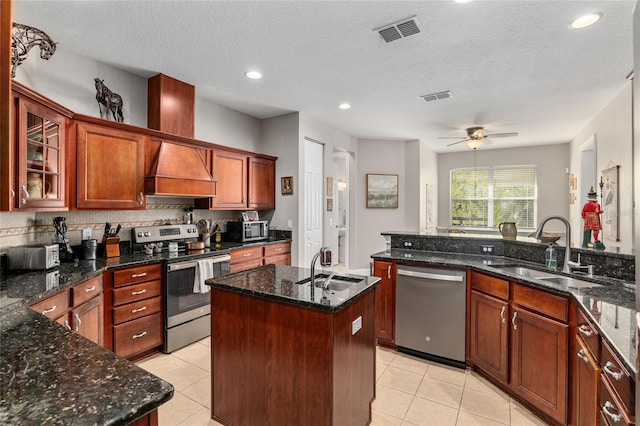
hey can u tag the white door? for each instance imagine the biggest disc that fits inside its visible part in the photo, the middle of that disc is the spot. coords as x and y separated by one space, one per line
313 208
334 216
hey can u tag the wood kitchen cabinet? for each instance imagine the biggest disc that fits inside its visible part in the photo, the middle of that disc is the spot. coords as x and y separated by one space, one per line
584 361
250 257
133 318
244 181
79 308
109 167
531 357
489 331
36 161
385 300
617 390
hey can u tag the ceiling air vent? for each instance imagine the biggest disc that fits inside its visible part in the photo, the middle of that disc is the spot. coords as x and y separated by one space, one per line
398 30
436 96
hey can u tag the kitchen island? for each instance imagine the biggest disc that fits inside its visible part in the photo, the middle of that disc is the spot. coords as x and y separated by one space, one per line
283 357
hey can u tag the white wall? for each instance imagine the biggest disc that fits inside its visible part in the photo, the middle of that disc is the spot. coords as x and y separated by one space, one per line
224 126
428 176
553 182
613 130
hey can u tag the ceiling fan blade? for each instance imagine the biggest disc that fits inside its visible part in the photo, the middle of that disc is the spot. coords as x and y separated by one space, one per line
455 143
449 137
501 135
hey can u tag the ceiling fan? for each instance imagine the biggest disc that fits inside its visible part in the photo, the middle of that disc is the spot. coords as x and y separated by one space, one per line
476 137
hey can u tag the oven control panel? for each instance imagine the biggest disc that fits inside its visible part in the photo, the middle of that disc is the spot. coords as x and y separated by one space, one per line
150 234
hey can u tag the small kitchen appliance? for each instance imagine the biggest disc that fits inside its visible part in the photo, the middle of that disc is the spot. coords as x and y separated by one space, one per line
60 238
248 231
88 249
34 257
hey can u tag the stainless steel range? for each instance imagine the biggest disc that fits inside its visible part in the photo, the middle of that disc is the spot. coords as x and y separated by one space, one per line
187 307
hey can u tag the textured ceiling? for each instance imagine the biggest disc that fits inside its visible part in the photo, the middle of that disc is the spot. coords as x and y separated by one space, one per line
512 65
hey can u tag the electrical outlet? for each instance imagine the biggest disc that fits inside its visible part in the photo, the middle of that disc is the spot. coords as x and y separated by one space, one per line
289 224
486 248
86 234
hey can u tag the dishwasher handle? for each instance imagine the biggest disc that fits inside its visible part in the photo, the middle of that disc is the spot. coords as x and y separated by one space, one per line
430 276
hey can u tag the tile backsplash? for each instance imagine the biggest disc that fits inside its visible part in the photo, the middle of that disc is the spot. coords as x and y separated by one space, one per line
20 228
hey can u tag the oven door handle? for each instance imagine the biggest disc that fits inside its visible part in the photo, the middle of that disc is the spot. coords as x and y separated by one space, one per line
186 265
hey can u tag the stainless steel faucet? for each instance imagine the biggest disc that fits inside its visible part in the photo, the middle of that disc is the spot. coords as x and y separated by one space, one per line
567 252
325 260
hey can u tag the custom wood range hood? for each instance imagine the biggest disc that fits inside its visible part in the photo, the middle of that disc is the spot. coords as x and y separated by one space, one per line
177 169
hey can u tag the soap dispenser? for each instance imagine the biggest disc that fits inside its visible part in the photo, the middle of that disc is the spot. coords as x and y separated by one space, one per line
550 259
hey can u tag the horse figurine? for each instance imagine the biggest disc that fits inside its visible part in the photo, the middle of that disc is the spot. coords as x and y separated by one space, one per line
23 38
111 101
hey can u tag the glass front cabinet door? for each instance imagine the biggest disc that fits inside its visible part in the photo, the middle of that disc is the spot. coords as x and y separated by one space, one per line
40 137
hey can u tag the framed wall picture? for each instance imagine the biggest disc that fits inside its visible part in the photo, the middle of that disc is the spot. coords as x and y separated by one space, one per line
330 186
382 191
329 204
610 203
286 185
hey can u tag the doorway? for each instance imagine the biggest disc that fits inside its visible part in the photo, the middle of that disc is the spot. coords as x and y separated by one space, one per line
313 196
341 209
588 168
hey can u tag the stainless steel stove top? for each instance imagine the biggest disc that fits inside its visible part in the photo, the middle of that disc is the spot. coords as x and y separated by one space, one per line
164 233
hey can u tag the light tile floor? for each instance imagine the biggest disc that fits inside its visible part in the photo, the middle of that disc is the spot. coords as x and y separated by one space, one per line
409 392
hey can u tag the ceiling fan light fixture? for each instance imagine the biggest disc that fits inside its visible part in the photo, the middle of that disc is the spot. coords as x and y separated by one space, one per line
474 143
585 20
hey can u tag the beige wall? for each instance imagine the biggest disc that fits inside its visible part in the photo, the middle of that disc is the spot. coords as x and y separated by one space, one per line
551 162
612 128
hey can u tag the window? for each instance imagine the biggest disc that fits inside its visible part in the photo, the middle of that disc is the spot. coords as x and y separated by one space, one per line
485 197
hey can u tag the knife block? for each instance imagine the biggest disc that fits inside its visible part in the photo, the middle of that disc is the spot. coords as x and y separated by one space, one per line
111 246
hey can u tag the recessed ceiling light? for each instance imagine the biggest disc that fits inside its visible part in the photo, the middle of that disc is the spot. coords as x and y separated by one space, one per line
344 106
253 75
463 1
585 21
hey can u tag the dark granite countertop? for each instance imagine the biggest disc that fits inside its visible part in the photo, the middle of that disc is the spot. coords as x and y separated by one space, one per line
609 302
49 375
292 285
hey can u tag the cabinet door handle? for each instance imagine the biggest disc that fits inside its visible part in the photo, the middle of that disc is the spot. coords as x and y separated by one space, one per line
90 289
582 355
584 329
389 271
26 194
66 324
246 255
79 322
137 336
616 376
13 193
278 249
502 312
615 417
140 275
141 198
513 321
135 311
48 311
135 293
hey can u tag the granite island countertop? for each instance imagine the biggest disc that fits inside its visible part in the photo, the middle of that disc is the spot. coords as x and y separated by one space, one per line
609 302
292 285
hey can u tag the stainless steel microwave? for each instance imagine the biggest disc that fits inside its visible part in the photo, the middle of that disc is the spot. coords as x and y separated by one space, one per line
248 231
42 256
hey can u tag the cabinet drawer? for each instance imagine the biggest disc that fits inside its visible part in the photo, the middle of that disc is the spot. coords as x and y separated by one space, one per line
243 266
610 410
589 334
53 306
136 292
491 285
137 275
277 249
136 310
246 254
282 259
138 335
618 377
540 301
86 290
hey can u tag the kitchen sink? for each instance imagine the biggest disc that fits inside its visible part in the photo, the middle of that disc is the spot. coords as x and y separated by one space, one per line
524 271
336 283
570 282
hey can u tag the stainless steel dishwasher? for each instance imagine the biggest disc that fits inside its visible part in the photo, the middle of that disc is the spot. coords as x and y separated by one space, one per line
430 313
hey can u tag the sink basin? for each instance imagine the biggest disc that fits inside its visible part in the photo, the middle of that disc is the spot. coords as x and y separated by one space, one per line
336 283
570 282
521 270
